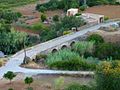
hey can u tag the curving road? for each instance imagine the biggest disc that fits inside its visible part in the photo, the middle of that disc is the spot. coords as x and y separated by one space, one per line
17 59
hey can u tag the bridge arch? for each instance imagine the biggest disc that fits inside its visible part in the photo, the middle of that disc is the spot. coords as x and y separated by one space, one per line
54 50
72 43
64 47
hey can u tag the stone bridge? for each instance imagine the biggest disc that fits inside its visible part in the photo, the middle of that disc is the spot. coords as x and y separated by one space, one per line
67 41
64 45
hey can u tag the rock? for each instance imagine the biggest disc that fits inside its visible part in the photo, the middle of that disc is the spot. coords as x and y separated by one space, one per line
2 55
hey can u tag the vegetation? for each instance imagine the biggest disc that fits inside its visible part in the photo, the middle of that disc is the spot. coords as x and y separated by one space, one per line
61 56
12 41
84 48
5 4
56 18
76 86
108 50
96 38
59 82
68 60
28 80
58 28
9 75
108 76
43 17
67 4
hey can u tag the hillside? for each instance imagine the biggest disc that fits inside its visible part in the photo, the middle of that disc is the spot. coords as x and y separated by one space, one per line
12 3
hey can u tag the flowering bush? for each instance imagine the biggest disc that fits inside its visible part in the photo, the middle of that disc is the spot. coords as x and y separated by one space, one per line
108 76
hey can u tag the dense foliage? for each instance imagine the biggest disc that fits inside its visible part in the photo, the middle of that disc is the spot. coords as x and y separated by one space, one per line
67 4
58 28
76 86
108 50
96 38
9 16
83 47
5 4
68 60
12 41
62 55
108 76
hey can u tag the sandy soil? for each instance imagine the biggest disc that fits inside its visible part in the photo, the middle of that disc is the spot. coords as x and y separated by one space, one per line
111 11
41 82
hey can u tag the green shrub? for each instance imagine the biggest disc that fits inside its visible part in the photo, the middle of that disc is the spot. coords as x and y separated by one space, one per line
96 38
106 18
107 50
56 18
108 76
10 89
59 82
76 86
42 9
43 17
83 7
37 27
62 55
83 47
78 14
73 65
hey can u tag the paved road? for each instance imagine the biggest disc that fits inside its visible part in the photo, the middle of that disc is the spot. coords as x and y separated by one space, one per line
17 59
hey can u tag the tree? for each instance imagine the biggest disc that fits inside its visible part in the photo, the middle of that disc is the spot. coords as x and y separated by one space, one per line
108 50
43 17
96 38
28 80
9 75
42 9
10 89
72 21
56 18
108 76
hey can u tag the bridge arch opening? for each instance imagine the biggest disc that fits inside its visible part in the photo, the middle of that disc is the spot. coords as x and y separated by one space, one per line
64 47
72 43
54 50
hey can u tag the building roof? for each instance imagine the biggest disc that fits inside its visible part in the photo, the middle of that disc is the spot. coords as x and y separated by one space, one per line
73 9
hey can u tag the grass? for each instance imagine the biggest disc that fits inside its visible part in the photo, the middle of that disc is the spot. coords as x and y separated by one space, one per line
2 61
5 4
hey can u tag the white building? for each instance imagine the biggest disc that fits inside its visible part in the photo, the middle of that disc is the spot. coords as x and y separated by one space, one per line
92 18
72 11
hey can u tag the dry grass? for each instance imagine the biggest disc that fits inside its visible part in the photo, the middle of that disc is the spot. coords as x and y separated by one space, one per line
111 11
3 61
113 37
41 82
